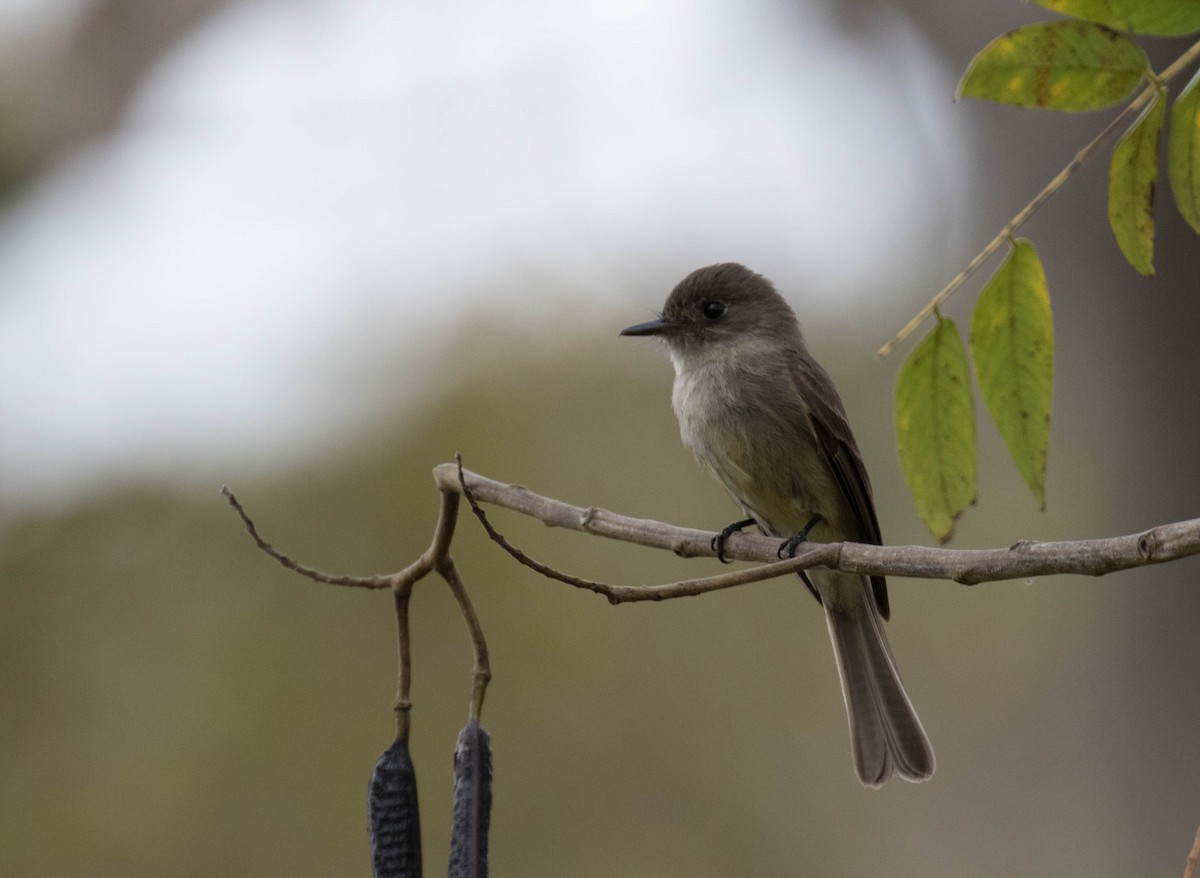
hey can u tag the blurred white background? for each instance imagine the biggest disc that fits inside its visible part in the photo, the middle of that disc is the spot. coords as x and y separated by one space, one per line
298 183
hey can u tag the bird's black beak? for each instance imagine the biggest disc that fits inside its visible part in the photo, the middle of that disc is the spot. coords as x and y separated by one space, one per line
650 327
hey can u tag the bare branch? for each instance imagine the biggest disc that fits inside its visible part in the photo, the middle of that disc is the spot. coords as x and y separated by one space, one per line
481 673
1022 560
968 566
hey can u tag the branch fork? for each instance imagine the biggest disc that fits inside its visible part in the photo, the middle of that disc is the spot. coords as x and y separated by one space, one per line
1022 560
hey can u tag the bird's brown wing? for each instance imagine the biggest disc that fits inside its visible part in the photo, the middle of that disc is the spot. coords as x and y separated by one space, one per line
837 444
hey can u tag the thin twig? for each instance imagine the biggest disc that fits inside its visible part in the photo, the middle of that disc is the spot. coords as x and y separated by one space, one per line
1010 228
532 563
304 570
1190 869
481 673
403 703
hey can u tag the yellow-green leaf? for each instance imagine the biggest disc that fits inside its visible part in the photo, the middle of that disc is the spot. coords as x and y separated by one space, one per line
1163 18
935 429
1012 344
1131 178
1183 152
1060 65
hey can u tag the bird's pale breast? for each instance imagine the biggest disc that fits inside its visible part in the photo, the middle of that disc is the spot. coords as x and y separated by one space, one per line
749 427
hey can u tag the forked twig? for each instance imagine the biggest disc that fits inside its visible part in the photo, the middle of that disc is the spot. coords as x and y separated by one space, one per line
435 558
1022 560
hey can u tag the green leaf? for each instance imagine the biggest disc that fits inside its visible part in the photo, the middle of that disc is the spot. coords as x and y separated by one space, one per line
1183 152
935 429
1163 18
1131 179
1060 65
1012 344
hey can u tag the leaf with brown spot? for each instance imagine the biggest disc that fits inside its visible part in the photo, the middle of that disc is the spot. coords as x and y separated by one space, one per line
1058 65
1131 179
1161 18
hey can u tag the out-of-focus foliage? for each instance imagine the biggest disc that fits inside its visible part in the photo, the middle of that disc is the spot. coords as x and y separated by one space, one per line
59 89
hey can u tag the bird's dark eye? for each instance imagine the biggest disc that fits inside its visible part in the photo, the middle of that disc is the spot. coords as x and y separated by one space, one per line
712 310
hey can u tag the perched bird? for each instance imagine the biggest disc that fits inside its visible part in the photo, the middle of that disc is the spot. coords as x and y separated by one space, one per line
764 419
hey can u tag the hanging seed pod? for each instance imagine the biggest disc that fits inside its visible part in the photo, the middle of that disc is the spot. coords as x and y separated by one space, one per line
394 816
472 802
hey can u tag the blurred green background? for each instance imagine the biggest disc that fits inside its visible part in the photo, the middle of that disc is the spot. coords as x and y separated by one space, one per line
172 702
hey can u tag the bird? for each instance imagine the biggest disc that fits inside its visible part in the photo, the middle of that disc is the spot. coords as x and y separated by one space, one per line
764 419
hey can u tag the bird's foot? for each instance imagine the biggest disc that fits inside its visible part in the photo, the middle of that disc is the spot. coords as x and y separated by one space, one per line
788 547
718 541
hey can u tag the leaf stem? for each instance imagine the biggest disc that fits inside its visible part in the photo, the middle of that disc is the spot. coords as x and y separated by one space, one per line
1131 110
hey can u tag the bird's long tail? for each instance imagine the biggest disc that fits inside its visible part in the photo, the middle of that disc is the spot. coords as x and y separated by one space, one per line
885 731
